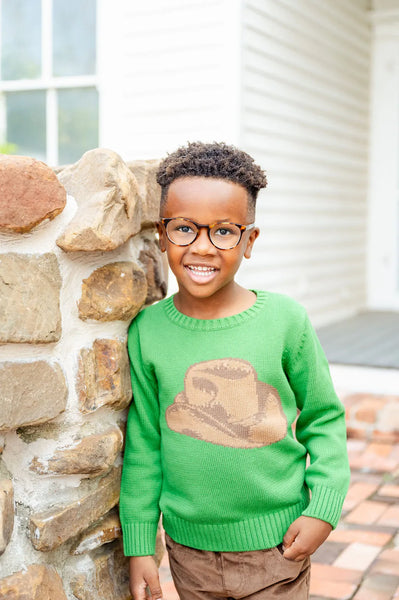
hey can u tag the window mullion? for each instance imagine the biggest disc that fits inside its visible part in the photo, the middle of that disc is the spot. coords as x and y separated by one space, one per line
1 41
3 118
52 126
47 39
47 71
3 111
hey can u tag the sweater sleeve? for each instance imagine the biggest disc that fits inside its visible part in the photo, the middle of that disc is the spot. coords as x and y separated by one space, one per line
321 428
141 475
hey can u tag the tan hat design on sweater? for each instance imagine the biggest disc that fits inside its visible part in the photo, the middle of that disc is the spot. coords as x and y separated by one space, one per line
224 403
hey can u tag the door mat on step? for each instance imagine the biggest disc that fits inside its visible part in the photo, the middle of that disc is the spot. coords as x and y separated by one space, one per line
369 339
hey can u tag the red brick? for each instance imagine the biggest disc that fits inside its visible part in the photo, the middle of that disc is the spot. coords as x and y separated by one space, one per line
357 556
375 588
366 594
339 590
388 567
320 571
376 478
356 399
165 560
356 447
379 449
349 402
375 538
388 437
366 512
373 462
389 490
390 517
367 410
391 554
374 457
357 492
169 591
356 432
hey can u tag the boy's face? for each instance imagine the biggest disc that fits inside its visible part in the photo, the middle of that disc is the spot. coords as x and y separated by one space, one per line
201 269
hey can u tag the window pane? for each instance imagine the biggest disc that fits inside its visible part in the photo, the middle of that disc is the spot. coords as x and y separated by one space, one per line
26 122
74 37
21 33
77 123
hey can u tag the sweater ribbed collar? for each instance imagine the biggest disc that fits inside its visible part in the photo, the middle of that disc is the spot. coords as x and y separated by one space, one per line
213 324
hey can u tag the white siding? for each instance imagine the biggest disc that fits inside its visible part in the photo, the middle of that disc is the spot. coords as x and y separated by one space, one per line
166 69
305 95
383 255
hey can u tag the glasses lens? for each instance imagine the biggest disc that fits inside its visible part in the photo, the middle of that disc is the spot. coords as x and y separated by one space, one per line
225 235
181 231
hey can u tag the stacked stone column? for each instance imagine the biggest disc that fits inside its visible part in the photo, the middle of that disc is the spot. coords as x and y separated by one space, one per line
78 260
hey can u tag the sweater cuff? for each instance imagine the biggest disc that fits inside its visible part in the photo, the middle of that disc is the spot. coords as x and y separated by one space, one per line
139 538
325 504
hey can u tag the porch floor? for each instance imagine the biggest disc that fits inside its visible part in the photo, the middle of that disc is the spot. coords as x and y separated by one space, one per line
369 339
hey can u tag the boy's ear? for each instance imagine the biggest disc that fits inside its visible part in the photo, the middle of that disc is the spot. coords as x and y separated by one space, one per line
161 237
250 242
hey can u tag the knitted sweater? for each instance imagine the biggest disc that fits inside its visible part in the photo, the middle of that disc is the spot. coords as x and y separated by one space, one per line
209 439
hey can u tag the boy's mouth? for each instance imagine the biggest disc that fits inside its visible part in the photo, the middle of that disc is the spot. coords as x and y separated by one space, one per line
201 273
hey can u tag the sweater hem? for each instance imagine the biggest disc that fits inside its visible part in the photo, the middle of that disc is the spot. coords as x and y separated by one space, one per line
326 504
139 538
257 533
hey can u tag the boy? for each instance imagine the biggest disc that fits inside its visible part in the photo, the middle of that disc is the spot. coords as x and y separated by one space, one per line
219 373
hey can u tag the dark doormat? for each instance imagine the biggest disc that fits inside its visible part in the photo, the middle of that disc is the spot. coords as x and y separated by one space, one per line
369 339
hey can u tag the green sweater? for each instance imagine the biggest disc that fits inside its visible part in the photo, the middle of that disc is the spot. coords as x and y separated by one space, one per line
210 440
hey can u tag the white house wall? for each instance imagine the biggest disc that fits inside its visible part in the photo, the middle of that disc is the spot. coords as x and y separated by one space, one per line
305 95
288 80
166 68
383 239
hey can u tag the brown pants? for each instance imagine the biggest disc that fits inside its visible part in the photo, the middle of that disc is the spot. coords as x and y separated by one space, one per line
256 575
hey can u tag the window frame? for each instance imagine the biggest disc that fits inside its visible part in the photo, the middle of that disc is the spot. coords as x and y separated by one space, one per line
47 82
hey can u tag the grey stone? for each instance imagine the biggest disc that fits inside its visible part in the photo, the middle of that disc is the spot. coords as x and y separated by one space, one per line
107 530
156 270
30 393
104 376
113 292
51 528
29 298
109 203
109 579
6 512
92 456
145 173
37 582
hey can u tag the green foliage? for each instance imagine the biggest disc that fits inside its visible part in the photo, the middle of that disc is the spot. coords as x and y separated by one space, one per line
8 148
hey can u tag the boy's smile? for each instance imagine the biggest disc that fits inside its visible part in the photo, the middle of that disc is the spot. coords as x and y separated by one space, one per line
205 274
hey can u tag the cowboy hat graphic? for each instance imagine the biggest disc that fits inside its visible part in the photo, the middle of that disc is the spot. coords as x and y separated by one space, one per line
223 402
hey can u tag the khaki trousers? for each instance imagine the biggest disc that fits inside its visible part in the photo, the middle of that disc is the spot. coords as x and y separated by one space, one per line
255 575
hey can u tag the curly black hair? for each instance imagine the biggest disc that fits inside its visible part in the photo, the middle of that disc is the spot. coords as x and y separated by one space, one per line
217 160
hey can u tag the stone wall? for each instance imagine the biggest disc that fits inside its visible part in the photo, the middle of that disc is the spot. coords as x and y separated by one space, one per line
78 260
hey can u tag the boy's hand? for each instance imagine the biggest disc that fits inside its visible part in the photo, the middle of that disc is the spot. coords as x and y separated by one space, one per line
144 578
304 536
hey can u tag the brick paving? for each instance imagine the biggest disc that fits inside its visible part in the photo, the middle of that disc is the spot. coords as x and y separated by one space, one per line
360 559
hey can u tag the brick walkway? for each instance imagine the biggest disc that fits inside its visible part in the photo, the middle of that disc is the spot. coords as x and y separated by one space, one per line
360 559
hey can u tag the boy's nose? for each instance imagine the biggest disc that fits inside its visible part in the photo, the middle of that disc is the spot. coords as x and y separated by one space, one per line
203 244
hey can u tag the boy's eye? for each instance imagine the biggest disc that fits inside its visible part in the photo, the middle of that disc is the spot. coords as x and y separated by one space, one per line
184 229
224 231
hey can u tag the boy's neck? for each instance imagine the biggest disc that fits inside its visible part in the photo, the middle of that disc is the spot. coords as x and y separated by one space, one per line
227 302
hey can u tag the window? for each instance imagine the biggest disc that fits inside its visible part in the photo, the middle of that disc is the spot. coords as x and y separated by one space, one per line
48 81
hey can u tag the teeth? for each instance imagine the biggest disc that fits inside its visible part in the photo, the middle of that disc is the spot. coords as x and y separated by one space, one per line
201 270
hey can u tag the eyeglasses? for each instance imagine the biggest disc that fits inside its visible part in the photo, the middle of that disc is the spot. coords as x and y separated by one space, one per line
224 236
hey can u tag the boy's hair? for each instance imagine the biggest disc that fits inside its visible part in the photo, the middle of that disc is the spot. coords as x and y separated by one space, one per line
217 160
